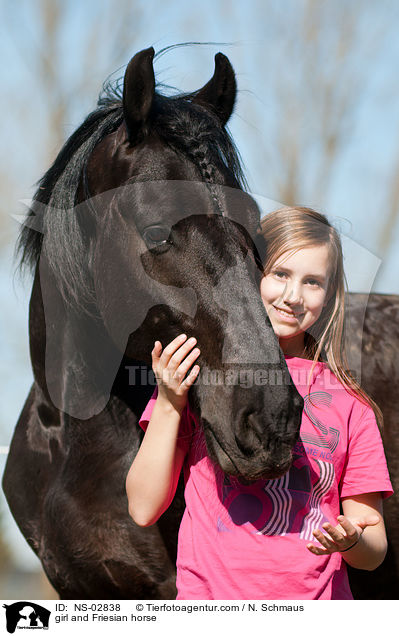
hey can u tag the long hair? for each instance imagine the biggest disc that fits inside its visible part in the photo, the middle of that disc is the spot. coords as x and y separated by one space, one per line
295 228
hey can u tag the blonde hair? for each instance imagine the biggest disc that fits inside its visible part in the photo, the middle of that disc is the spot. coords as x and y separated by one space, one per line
291 229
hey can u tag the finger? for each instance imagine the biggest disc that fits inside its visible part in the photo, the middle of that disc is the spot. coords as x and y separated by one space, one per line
336 535
186 364
315 549
171 348
325 541
155 356
190 379
370 520
181 353
349 528
156 352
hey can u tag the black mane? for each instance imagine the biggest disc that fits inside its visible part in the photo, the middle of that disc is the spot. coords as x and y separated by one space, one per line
188 128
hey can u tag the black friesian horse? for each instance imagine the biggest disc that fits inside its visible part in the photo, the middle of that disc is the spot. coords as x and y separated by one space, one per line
140 231
373 338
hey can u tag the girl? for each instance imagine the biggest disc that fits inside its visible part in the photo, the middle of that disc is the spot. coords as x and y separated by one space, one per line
286 538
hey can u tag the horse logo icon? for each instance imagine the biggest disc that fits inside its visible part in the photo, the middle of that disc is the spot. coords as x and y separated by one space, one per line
26 615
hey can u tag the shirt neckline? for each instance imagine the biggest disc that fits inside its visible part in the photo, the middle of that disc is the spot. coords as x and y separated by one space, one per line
304 361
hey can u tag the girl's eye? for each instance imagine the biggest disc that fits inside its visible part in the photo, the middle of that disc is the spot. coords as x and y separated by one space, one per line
279 274
313 282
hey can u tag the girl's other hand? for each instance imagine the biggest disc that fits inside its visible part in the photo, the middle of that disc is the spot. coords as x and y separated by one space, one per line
343 537
171 365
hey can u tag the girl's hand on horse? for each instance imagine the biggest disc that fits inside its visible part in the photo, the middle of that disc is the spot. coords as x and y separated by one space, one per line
343 537
170 367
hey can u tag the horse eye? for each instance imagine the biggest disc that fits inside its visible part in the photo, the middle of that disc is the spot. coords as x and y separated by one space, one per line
156 235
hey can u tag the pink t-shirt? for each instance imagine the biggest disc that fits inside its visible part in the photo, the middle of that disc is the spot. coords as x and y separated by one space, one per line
249 541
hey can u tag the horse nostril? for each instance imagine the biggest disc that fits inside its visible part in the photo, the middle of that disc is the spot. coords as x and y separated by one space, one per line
244 447
246 437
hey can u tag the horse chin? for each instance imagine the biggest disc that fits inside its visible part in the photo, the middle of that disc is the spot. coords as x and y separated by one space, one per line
272 471
248 469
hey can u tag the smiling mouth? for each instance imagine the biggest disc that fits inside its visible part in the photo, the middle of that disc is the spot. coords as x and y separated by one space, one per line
287 314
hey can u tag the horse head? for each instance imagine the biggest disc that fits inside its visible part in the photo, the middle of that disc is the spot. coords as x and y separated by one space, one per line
162 240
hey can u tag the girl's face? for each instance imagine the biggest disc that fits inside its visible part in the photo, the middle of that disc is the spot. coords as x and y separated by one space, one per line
294 293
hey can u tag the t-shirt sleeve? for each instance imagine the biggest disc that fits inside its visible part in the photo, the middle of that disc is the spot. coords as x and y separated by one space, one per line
365 468
187 422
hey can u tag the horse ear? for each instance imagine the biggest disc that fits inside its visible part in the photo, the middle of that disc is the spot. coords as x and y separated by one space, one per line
219 94
138 93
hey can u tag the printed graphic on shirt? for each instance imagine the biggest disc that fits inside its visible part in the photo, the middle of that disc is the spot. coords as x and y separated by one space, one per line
290 504
330 436
315 517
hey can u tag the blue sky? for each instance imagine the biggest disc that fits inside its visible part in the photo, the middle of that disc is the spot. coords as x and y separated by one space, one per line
356 199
